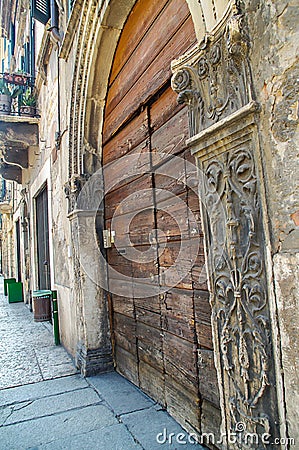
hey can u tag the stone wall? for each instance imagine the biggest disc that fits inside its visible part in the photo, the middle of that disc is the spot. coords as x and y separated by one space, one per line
274 38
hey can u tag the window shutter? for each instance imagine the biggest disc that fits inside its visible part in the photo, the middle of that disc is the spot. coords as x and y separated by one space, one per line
41 10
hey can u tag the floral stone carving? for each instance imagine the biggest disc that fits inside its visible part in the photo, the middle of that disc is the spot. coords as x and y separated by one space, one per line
238 289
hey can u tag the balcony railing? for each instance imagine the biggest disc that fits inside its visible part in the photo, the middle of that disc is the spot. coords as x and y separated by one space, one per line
17 95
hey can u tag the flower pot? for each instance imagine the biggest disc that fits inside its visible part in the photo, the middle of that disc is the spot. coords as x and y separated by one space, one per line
21 80
28 110
5 104
8 77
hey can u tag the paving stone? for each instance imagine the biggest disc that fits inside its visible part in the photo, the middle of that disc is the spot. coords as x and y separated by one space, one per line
4 414
51 405
52 362
152 428
115 437
119 393
42 389
28 353
38 432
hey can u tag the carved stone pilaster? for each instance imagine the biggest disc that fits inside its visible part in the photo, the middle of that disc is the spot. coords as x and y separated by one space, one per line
214 81
94 353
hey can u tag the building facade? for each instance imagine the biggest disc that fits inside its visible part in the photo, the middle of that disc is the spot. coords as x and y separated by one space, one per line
154 187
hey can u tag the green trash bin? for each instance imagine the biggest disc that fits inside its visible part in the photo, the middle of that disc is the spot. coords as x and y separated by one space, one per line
42 305
15 292
6 282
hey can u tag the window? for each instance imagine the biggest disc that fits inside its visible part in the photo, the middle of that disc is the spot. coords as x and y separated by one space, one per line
41 10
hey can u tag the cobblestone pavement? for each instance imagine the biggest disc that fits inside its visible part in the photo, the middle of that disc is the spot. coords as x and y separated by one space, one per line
28 353
45 404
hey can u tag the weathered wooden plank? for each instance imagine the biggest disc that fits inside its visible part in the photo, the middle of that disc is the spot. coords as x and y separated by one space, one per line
139 21
150 346
146 269
132 229
126 364
195 218
176 264
199 274
119 263
202 306
127 168
170 138
174 276
210 422
177 300
164 108
172 218
204 335
168 179
145 291
203 319
126 326
123 305
152 382
135 195
150 81
150 318
182 403
119 283
180 358
151 304
135 132
208 384
179 253
179 325
157 37
177 313
122 341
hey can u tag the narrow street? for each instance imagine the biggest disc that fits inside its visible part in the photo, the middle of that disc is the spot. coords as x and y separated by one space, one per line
46 404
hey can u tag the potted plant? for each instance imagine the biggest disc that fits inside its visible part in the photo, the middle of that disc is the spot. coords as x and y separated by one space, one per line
28 103
7 94
5 98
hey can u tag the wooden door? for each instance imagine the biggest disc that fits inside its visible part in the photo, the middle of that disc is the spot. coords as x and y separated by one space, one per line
156 333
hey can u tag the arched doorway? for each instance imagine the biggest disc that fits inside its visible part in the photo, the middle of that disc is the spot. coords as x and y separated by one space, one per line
159 308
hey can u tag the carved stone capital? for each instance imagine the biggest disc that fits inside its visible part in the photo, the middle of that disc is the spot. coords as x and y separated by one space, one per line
213 79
